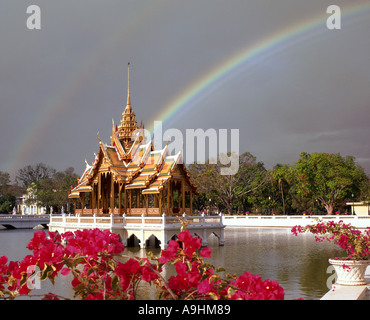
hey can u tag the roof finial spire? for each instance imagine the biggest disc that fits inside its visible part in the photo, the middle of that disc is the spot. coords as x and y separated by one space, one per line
128 84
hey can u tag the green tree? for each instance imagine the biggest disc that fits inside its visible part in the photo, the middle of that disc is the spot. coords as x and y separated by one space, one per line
228 189
7 193
53 191
282 175
35 173
327 177
364 190
7 203
4 182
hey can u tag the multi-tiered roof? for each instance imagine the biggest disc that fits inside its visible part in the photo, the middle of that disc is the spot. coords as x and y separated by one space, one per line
132 162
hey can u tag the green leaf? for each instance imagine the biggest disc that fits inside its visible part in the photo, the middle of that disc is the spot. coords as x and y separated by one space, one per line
115 283
213 295
68 263
214 277
188 263
79 288
77 261
231 291
142 263
46 271
112 264
52 279
23 280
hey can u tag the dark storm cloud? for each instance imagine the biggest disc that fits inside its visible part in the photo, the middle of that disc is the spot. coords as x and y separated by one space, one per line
63 83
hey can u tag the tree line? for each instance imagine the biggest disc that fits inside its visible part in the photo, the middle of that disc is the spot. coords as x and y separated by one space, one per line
316 183
46 187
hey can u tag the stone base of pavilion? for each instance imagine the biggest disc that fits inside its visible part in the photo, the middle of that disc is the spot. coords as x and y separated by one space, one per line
145 229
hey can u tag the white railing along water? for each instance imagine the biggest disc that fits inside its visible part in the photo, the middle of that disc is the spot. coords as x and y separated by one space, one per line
286 221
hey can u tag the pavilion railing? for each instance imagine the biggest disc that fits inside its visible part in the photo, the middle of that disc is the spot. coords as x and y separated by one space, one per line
131 211
112 221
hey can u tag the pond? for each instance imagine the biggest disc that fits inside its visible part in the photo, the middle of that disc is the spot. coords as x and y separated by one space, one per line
299 264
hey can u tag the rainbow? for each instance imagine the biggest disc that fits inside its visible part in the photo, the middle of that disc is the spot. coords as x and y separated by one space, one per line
187 99
55 105
249 57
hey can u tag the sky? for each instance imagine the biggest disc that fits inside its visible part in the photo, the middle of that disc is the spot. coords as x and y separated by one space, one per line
270 68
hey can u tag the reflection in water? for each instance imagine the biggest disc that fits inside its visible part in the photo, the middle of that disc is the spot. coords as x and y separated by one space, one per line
299 264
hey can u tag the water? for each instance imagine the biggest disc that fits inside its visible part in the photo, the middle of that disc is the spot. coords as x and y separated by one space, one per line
299 264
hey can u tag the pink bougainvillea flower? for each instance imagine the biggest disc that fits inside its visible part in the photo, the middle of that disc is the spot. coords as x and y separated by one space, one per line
170 253
65 271
206 252
89 254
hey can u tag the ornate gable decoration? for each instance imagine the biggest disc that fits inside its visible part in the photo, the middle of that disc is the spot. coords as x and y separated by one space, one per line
132 162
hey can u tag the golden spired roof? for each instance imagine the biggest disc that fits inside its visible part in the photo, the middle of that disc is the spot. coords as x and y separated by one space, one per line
128 123
131 160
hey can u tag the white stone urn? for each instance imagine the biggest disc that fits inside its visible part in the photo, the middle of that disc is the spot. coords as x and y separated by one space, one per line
350 272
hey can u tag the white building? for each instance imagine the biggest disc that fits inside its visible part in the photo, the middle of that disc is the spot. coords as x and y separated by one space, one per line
360 208
32 207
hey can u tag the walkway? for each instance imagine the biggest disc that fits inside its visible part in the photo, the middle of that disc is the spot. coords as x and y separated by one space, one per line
17 221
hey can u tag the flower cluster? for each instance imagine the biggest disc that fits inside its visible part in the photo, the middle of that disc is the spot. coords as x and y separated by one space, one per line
355 242
89 258
196 279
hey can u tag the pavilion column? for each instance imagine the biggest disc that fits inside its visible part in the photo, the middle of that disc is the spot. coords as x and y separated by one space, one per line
126 202
168 198
146 204
82 198
155 201
96 197
99 192
191 202
130 200
137 198
105 193
141 198
92 199
120 199
75 204
112 193
160 202
183 195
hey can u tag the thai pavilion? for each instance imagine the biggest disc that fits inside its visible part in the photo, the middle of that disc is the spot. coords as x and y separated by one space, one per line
129 177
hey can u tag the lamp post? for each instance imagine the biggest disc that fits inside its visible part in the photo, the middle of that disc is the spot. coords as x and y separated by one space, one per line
353 204
269 205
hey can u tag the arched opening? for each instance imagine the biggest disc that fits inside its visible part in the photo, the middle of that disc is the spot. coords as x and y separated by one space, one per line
213 239
133 241
152 242
8 226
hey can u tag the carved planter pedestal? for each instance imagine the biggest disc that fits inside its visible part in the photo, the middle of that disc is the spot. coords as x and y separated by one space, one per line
350 272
